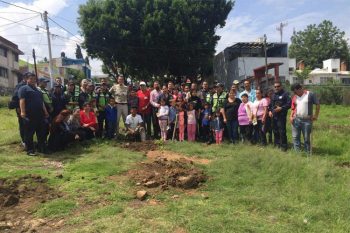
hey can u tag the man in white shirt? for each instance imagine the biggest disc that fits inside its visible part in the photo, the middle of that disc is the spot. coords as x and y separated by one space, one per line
134 125
120 94
302 116
249 91
154 97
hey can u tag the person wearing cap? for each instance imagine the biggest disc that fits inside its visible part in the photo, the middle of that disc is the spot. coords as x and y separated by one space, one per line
58 100
219 98
154 96
46 95
120 93
249 91
102 100
14 104
144 108
204 91
33 112
235 85
71 95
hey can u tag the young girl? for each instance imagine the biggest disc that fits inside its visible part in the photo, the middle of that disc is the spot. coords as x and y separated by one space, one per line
181 122
218 127
191 123
245 118
163 115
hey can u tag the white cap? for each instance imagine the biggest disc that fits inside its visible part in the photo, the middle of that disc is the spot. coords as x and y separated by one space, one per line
142 83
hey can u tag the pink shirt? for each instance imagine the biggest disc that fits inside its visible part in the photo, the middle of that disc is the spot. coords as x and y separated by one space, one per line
182 118
258 107
191 117
243 117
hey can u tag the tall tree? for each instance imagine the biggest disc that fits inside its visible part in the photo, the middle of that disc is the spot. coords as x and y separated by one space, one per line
158 37
318 43
78 53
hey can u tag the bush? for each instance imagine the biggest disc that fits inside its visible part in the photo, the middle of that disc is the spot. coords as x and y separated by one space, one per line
4 100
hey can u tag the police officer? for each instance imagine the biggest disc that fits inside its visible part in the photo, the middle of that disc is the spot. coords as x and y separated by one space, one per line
278 109
71 95
219 98
33 113
102 99
46 95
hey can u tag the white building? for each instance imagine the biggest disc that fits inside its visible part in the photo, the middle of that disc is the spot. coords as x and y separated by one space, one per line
247 61
333 70
9 68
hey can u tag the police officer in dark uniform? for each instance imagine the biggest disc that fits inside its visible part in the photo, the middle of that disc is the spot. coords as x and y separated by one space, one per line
33 113
278 109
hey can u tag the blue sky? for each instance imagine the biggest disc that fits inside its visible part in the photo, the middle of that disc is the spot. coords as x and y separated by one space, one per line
249 20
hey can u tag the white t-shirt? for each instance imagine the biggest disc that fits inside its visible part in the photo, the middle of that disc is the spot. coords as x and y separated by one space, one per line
133 121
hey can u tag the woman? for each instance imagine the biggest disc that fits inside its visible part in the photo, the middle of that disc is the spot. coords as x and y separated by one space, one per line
230 114
245 118
74 124
61 134
259 110
88 121
268 120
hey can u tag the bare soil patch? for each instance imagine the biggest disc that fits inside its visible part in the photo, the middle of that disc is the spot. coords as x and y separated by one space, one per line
343 164
18 197
172 156
140 146
163 174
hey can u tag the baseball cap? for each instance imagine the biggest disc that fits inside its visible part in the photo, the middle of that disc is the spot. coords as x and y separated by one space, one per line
235 82
142 83
219 85
43 80
28 74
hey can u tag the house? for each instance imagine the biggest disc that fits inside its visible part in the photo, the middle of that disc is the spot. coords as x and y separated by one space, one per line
333 71
246 60
9 68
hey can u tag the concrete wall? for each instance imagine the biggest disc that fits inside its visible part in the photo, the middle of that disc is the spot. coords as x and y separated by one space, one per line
10 64
331 64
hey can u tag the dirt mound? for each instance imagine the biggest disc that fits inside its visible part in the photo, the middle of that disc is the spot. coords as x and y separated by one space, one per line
18 197
164 173
140 146
343 164
169 155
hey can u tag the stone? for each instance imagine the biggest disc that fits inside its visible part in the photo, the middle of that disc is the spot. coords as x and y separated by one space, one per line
187 182
11 200
141 195
151 184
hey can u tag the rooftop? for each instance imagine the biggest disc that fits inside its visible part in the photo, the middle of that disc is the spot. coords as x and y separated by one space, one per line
10 45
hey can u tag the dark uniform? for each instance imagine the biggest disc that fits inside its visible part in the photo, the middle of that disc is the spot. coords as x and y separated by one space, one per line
15 105
280 99
102 100
34 122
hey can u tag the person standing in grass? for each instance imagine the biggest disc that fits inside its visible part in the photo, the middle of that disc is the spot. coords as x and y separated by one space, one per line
191 123
245 118
259 110
163 115
268 120
218 127
206 115
278 110
182 122
111 118
144 107
230 114
302 116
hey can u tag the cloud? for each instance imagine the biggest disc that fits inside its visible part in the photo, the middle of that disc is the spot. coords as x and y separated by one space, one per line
27 38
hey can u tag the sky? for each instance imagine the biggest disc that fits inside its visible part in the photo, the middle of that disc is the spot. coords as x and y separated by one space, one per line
248 21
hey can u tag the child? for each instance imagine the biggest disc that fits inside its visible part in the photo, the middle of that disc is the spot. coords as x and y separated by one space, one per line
191 123
163 115
218 127
181 123
206 112
111 118
172 118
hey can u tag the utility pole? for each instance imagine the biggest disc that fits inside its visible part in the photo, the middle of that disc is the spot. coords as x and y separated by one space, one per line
280 29
265 49
35 69
49 44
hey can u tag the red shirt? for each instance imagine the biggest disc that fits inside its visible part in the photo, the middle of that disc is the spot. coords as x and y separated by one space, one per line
90 119
144 98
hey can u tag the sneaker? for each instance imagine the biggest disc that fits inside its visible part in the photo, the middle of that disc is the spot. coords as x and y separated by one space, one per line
31 153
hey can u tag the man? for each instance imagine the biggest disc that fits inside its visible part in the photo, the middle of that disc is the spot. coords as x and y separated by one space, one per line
204 92
102 100
14 104
165 95
144 108
58 100
46 95
302 116
86 94
219 98
235 86
154 96
278 109
134 125
71 95
171 87
33 113
120 93
249 91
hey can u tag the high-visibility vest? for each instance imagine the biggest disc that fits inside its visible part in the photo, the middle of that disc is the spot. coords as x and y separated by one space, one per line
219 101
47 98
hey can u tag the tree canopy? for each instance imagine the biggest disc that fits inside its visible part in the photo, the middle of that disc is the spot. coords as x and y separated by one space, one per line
147 37
318 43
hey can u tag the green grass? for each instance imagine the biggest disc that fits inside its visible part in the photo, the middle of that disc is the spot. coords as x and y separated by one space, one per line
250 189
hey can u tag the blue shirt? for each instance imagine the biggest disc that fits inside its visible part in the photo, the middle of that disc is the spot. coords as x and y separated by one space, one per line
205 121
172 114
111 113
251 95
34 101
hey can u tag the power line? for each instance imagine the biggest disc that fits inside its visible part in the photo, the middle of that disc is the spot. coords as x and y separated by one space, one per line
69 21
64 29
13 22
24 8
14 12
17 22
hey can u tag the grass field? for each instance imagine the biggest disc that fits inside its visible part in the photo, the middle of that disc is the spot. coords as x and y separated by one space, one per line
250 189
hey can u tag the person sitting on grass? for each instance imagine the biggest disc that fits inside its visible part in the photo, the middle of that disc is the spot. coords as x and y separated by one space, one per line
88 121
134 125
74 124
61 134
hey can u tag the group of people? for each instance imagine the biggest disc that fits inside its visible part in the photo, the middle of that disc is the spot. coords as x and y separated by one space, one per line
166 112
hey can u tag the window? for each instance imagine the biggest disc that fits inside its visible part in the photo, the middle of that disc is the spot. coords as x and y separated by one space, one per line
346 81
16 57
3 52
291 69
310 81
334 70
3 72
325 80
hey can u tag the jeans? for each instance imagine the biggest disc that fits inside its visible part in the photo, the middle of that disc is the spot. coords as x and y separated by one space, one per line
102 124
110 125
147 120
280 131
246 132
232 129
35 125
259 135
156 129
301 126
